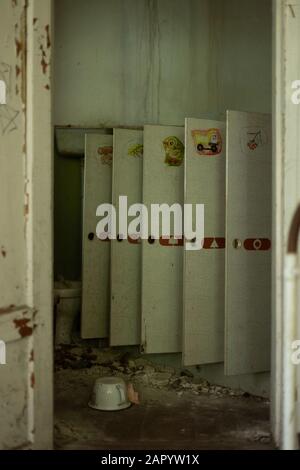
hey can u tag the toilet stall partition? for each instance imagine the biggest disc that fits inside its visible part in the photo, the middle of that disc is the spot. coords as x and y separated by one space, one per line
162 260
204 270
96 252
125 318
248 243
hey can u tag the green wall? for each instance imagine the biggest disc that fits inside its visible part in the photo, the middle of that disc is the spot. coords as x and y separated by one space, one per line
67 217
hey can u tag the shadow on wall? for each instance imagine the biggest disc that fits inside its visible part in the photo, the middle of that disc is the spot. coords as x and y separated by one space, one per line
67 217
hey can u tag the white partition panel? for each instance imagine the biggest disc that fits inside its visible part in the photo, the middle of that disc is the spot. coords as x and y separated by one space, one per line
96 252
125 318
162 260
248 247
204 277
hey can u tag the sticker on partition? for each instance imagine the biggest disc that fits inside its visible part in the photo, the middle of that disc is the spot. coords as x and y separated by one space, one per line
106 154
208 142
136 150
257 244
134 239
174 151
171 241
252 139
217 243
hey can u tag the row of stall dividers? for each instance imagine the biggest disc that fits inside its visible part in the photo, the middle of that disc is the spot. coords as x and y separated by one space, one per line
213 304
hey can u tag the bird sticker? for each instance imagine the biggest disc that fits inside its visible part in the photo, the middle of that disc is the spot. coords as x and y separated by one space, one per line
136 150
174 151
208 142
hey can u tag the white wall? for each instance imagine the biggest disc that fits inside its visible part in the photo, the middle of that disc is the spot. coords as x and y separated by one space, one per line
132 62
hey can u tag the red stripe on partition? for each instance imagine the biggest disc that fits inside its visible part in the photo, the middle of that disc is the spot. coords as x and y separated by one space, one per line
257 244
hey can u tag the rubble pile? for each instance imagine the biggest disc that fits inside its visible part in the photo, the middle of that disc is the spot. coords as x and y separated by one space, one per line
137 370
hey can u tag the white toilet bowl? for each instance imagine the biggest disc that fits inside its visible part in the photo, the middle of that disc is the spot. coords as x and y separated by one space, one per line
67 302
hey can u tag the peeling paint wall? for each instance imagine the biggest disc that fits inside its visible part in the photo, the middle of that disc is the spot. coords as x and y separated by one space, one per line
16 404
40 217
25 228
12 161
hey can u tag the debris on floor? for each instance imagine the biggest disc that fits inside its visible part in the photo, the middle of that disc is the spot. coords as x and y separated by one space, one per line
138 371
133 396
177 410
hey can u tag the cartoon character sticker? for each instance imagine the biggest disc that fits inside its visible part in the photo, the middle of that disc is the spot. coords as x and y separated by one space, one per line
174 151
106 154
252 139
208 142
136 150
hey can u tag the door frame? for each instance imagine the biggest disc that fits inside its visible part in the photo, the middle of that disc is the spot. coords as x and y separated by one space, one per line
38 149
39 191
286 197
277 221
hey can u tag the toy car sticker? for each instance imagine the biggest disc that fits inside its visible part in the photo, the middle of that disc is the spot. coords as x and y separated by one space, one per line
174 151
208 142
106 154
252 139
257 244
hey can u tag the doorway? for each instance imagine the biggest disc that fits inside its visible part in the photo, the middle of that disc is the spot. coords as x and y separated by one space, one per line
166 62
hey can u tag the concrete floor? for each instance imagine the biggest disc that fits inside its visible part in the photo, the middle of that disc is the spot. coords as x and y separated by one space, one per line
165 419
